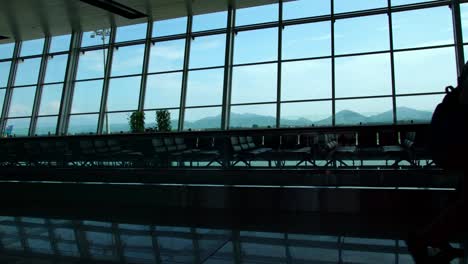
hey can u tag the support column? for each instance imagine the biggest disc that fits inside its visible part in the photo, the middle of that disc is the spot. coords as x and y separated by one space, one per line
118 245
289 259
52 237
196 246
236 246
155 245
81 241
22 235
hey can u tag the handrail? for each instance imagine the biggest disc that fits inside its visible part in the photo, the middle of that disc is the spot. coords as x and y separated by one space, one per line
256 132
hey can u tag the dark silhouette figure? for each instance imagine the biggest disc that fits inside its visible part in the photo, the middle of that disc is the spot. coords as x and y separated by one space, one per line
448 147
431 244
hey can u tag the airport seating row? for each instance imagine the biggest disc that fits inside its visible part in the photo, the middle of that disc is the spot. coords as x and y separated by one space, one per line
292 149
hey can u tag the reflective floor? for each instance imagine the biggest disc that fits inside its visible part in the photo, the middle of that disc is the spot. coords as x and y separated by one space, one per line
44 240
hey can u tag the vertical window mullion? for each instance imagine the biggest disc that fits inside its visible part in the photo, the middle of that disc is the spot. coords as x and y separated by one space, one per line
146 58
280 58
105 88
69 85
458 35
185 72
227 85
332 12
39 86
8 92
392 61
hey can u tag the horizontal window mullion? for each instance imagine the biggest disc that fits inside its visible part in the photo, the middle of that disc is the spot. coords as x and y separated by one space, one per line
306 100
255 63
84 113
30 57
58 53
208 32
306 20
425 48
416 6
47 116
206 68
91 79
202 106
51 83
6 60
362 53
126 76
168 38
255 103
419 94
24 86
361 13
166 72
120 111
256 26
362 97
18 117
307 59
129 43
156 109
94 48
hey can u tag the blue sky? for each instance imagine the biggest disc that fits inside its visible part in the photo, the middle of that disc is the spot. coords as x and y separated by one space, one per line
415 71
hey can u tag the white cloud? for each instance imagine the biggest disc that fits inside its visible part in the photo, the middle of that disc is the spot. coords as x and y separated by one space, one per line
207 45
20 110
51 107
308 40
125 61
91 61
168 52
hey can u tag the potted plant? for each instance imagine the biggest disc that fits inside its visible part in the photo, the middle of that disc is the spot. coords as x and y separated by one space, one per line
137 122
163 120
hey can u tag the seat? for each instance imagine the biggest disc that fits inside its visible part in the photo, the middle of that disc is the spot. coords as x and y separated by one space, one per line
344 148
290 150
393 150
206 151
368 146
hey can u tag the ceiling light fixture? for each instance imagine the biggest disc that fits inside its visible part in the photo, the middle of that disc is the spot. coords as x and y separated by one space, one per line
116 8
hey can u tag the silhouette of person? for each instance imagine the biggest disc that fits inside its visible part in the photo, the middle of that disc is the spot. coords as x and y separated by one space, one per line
431 244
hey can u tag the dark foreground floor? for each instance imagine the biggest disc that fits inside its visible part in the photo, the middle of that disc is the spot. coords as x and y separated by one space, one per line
149 235
55 223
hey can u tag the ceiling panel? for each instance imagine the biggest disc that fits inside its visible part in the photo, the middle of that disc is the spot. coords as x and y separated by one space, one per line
31 19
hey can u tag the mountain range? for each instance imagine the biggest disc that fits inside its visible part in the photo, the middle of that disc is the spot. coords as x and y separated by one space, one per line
347 117
248 120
